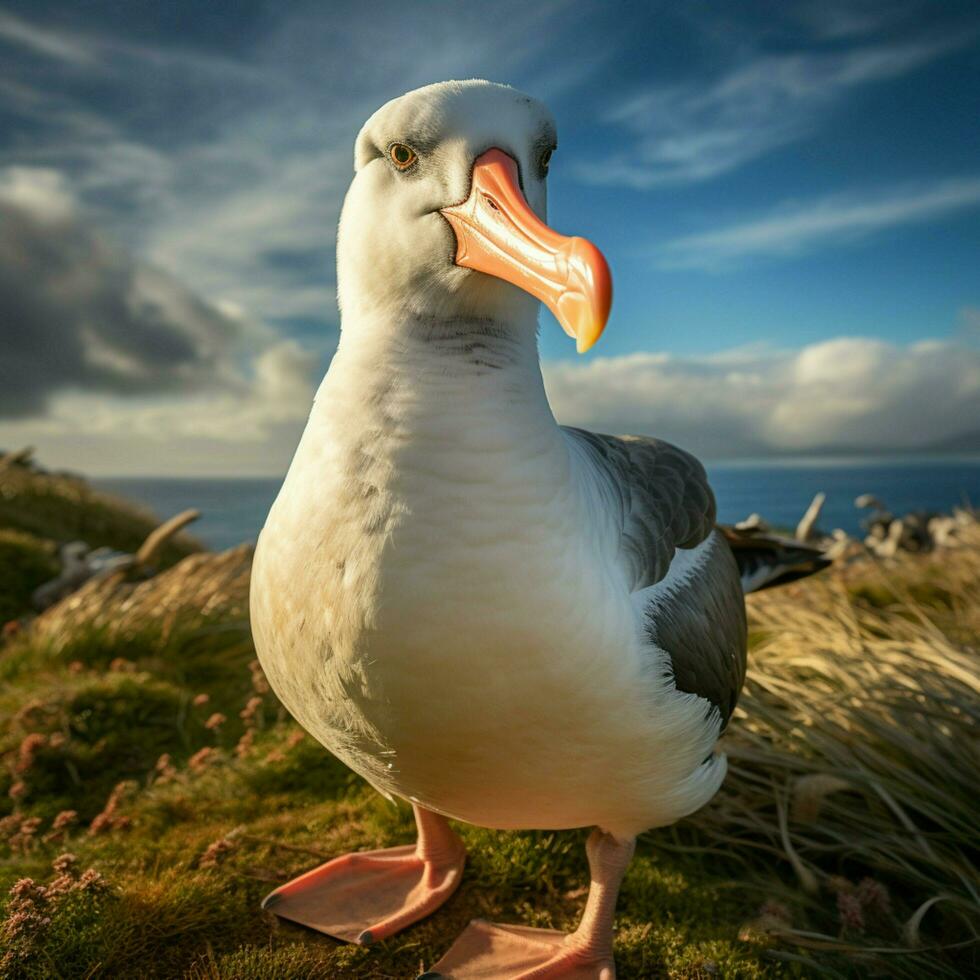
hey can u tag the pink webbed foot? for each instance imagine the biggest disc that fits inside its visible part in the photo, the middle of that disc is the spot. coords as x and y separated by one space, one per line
496 952
486 951
371 895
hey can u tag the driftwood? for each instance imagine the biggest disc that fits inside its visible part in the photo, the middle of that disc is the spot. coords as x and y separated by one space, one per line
804 530
753 524
157 538
886 536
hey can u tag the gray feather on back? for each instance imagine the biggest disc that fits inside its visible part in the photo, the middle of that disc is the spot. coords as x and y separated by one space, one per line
664 495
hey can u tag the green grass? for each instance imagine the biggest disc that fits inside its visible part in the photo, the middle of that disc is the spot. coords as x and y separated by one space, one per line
105 708
26 561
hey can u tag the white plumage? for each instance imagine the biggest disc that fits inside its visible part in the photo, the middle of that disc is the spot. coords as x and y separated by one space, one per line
439 599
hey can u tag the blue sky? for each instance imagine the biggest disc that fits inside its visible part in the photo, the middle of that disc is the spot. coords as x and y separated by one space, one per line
788 194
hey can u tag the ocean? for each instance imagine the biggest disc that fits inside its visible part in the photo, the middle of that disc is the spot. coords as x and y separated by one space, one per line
233 510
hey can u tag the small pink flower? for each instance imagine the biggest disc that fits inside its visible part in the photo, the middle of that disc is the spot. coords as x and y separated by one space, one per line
215 721
24 839
259 682
200 700
23 888
851 914
873 896
100 824
28 749
247 714
216 852
65 863
107 819
65 819
244 746
92 881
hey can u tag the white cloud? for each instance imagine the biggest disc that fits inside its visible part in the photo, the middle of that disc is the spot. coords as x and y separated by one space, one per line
251 429
40 40
849 393
94 52
800 227
41 191
700 130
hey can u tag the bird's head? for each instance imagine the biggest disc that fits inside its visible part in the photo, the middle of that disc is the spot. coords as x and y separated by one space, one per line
446 214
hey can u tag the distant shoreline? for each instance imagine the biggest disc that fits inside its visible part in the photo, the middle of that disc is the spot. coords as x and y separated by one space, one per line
834 460
780 489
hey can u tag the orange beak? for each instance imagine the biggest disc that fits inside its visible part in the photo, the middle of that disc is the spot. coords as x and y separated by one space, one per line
498 233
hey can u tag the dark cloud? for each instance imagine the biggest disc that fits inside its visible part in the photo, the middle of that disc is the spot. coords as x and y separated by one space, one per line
78 312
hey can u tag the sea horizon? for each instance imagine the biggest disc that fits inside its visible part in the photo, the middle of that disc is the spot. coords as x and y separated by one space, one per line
233 508
795 459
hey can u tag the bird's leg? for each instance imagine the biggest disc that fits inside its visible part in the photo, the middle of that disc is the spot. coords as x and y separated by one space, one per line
592 941
370 895
486 951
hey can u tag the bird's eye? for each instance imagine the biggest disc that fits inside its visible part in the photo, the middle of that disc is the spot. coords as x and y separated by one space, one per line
402 156
545 160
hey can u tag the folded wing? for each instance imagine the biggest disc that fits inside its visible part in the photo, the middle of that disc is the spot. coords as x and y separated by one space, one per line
662 496
681 572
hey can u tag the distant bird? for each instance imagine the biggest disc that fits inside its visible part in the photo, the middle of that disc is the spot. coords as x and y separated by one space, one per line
78 565
499 619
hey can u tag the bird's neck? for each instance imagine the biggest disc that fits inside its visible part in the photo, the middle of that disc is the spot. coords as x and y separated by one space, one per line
459 380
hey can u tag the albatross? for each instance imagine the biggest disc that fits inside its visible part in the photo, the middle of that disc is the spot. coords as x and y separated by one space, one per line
496 618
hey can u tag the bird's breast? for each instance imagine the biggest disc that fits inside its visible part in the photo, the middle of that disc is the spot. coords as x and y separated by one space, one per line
414 597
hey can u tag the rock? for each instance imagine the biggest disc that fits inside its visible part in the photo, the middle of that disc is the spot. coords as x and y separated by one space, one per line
841 545
868 500
75 571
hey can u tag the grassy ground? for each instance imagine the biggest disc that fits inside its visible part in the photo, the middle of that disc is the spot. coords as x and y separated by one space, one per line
138 737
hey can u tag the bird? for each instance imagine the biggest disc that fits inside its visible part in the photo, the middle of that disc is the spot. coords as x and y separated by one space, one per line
495 618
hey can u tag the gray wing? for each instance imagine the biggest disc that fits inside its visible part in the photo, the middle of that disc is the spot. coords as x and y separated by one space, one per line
697 618
663 496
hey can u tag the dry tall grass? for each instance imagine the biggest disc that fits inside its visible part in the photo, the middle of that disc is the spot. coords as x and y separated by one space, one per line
855 762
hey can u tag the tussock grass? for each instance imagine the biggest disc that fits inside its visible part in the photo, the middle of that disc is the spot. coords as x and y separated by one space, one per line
137 734
854 760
